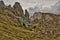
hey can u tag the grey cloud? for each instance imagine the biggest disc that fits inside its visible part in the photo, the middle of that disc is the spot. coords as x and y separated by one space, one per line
30 3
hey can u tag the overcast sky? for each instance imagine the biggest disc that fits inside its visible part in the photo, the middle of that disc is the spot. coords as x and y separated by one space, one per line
31 3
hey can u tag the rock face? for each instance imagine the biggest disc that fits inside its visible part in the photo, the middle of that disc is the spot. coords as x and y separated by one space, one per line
47 22
27 14
2 5
17 7
45 16
16 13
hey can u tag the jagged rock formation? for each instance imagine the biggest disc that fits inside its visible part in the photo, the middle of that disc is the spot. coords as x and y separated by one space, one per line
2 4
17 7
15 26
15 12
27 15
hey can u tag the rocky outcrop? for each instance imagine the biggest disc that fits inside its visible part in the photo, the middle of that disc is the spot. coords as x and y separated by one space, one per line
16 13
14 25
27 15
45 16
2 5
48 22
17 7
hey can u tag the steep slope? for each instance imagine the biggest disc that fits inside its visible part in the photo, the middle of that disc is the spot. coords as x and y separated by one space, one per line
15 26
48 24
10 30
10 27
11 23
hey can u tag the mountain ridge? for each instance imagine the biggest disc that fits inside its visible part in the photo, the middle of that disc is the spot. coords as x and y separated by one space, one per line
15 25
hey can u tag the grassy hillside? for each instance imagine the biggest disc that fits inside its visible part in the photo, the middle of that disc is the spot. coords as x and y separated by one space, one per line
10 30
15 25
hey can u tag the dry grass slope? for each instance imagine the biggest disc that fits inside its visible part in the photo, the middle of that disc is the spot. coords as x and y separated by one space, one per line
10 30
